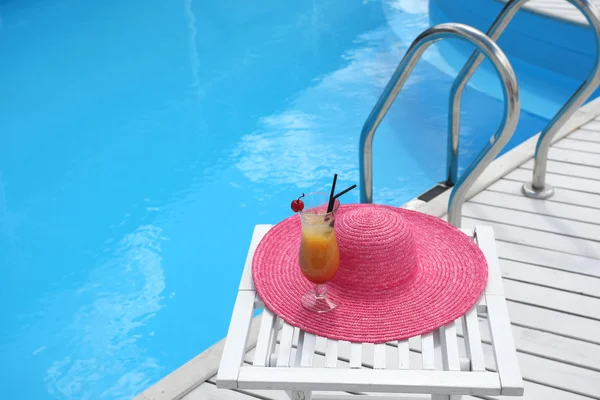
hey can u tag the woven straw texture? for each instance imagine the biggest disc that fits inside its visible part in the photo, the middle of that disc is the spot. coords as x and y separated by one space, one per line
402 273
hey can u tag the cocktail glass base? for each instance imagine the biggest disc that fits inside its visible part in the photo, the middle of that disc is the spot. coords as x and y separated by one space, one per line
316 300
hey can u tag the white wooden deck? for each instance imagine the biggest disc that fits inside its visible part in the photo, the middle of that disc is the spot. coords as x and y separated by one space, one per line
559 9
550 260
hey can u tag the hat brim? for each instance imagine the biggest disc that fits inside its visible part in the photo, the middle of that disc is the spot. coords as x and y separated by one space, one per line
452 276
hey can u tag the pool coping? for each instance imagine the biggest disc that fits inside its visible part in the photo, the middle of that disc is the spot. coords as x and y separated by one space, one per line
199 369
551 13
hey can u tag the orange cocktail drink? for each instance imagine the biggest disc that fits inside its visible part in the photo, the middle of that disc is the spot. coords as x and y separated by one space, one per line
319 253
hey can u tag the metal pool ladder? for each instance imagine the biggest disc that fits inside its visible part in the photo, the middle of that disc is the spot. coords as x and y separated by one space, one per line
537 188
510 91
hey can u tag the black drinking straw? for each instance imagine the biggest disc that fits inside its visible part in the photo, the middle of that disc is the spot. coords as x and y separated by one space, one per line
343 192
331 198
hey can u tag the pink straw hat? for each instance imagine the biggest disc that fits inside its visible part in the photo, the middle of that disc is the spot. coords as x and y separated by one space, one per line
402 273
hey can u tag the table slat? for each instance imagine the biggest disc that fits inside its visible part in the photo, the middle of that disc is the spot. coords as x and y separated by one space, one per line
473 340
285 345
263 343
427 351
332 353
355 355
379 356
450 357
308 350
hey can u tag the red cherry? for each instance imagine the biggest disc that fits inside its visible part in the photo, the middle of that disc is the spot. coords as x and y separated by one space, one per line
298 205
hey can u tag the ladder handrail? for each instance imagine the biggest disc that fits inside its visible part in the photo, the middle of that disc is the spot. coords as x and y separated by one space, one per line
537 188
499 139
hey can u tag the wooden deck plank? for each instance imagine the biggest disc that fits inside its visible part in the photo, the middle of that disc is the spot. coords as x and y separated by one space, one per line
595 124
561 181
545 208
208 390
573 156
561 195
554 322
548 345
525 219
548 258
563 168
553 299
536 238
587 135
552 278
577 145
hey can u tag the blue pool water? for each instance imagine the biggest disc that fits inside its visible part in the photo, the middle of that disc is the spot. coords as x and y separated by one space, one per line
141 141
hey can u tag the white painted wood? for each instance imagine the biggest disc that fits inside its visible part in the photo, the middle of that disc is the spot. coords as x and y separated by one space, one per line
554 322
319 361
473 340
237 336
572 156
549 372
265 339
549 258
572 144
560 195
427 351
564 168
299 343
285 345
375 396
536 238
246 282
403 355
379 356
593 124
586 135
544 223
449 342
394 381
557 374
355 355
484 236
332 353
308 351
552 299
277 328
544 208
547 345
209 391
552 278
559 181
503 346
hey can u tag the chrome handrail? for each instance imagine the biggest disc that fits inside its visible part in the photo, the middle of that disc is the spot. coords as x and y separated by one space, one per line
410 59
537 188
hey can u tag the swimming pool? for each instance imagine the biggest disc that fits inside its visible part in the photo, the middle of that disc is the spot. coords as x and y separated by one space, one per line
141 140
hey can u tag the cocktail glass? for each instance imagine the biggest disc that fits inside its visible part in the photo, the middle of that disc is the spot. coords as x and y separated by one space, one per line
319 252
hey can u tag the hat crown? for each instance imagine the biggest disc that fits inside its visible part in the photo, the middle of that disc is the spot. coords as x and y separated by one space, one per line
377 250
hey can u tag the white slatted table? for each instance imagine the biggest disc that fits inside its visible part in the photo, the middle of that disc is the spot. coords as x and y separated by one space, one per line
443 365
